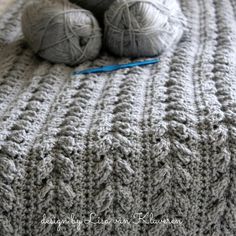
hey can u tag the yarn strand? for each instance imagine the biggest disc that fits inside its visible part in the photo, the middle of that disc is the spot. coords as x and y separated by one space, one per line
61 32
143 28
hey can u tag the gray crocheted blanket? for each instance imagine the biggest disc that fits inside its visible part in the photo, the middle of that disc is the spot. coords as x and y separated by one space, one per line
142 151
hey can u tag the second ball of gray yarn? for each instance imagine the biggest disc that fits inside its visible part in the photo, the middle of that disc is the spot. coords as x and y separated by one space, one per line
61 32
140 28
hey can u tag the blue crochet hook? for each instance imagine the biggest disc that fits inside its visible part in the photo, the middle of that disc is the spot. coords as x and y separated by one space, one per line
111 68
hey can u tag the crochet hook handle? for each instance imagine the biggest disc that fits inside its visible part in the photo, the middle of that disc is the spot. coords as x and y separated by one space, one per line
116 67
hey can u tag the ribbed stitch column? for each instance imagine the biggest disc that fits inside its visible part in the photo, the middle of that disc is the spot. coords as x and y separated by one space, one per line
158 139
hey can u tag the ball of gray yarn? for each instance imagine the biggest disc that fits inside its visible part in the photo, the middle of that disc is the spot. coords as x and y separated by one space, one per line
98 7
61 32
142 28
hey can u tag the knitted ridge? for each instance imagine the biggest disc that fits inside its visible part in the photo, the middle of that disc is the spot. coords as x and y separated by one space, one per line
4 5
158 140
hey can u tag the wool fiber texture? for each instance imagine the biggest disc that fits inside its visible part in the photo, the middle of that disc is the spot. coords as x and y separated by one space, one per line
157 140
61 32
137 28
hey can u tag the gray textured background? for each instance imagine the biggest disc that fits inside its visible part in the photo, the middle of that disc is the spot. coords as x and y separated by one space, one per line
159 139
